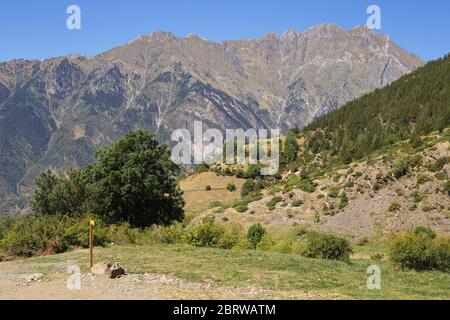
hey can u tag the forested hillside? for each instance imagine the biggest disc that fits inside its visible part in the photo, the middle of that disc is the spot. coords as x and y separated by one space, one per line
415 104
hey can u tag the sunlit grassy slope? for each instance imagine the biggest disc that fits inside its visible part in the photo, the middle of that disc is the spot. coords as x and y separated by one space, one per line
198 200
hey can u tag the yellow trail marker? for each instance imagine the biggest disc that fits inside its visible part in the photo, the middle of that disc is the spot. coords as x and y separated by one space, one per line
91 242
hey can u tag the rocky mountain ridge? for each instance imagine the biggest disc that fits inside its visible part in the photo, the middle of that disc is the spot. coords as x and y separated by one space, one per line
56 113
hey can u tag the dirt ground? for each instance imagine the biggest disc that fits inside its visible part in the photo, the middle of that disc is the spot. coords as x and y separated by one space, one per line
17 284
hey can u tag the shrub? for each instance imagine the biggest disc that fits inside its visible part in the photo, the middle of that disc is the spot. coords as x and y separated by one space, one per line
248 187
207 234
416 196
400 169
327 246
5 224
167 235
255 234
210 234
284 246
439 164
266 243
415 141
344 201
421 179
447 187
297 203
76 234
420 250
334 192
231 187
232 236
394 207
242 208
307 185
208 188
441 175
37 234
349 184
33 235
426 231
272 203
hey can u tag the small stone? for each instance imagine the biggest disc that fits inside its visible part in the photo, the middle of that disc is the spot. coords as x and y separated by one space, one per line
34 277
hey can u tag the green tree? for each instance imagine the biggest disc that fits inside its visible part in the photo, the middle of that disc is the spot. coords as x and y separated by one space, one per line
291 147
134 181
255 234
58 193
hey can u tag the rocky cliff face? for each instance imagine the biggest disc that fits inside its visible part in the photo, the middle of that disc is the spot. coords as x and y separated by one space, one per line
55 113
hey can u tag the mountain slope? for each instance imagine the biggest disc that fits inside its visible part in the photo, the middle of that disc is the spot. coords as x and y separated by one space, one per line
55 113
416 104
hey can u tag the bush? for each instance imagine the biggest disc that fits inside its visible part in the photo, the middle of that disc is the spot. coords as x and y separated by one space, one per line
394 207
76 234
248 187
41 235
416 196
400 169
208 188
421 179
255 234
307 186
32 235
231 187
272 203
5 224
420 250
439 164
349 184
284 246
207 234
447 187
232 236
344 201
210 234
334 192
297 203
242 208
266 243
166 235
327 246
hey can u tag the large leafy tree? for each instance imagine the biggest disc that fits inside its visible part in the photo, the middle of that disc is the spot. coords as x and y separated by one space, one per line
59 193
133 180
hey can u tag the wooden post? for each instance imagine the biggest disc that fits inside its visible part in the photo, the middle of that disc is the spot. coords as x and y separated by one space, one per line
91 243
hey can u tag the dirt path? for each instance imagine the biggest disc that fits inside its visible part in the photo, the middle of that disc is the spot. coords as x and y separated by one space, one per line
16 283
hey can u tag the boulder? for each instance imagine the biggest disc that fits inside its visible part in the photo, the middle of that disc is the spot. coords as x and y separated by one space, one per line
116 271
100 269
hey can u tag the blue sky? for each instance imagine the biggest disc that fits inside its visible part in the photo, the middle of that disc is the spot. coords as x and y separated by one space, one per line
37 29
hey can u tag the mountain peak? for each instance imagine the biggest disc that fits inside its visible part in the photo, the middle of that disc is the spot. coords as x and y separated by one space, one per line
291 33
161 35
